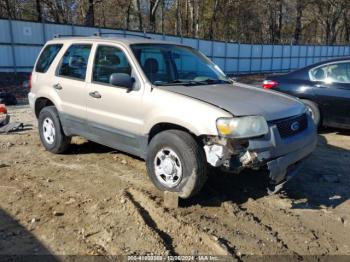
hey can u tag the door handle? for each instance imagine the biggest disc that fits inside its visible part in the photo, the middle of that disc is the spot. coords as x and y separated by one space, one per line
95 94
57 86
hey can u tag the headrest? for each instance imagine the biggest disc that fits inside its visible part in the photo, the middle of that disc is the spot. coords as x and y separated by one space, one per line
109 59
151 65
319 74
76 61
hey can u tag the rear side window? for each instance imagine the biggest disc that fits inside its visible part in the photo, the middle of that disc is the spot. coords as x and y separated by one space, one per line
339 73
47 56
74 61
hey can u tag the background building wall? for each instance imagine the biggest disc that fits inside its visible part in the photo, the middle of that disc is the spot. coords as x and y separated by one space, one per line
21 41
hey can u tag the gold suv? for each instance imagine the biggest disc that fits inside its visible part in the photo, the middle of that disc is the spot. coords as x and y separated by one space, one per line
168 104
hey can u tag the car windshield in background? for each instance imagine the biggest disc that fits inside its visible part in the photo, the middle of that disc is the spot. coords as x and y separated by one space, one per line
166 64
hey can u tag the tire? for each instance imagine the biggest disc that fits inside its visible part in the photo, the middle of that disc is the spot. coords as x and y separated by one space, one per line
55 141
316 115
185 154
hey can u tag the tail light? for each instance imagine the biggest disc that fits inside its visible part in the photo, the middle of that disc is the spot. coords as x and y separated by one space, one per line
3 109
30 81
268 84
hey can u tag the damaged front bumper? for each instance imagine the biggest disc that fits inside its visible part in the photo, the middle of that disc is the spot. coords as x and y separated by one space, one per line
281 156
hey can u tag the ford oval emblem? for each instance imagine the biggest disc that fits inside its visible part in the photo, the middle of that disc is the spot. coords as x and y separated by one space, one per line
295 126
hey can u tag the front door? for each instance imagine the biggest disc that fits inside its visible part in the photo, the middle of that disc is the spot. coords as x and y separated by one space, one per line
114 113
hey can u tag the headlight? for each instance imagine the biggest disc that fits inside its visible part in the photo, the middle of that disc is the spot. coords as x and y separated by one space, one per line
242 127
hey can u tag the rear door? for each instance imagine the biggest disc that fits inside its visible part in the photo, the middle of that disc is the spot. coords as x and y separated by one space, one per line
114 114
333 93
69 83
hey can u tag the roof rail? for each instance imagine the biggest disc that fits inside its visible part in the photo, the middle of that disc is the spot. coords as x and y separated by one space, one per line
60 35
123 34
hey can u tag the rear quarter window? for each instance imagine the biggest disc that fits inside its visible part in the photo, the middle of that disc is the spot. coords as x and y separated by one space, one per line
318 73
46 57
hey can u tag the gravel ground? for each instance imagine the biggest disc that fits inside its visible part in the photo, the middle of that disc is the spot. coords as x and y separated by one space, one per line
94 200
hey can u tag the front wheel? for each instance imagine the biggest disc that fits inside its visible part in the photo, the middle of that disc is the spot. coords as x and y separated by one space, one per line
176 162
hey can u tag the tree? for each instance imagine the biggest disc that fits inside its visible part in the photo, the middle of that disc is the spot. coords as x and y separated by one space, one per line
39 11
328 14
178 24
213 19
89 17
152 14
139 12
250 21
9 9
298 28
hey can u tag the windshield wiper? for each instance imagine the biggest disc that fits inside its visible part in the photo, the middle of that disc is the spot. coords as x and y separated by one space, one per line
215 81
192 82
179 82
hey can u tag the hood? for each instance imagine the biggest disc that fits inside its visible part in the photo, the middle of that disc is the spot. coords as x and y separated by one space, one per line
241 100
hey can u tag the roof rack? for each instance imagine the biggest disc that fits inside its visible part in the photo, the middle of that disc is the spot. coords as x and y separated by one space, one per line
101 34
123 34
60 35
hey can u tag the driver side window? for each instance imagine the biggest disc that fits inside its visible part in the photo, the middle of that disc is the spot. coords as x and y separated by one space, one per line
109 60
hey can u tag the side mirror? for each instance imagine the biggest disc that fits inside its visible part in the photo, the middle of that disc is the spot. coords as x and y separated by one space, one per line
122 80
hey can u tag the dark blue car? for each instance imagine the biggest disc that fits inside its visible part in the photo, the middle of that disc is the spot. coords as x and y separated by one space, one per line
324 87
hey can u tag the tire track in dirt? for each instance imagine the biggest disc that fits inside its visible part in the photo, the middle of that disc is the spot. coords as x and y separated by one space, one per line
251 216
301 239
186 239
36 185
148 220
244 231
247 216
225 245
153 217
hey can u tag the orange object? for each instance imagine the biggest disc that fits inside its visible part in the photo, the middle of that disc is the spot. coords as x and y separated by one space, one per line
3 109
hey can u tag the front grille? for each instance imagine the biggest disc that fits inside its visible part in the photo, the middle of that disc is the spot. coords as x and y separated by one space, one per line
291 126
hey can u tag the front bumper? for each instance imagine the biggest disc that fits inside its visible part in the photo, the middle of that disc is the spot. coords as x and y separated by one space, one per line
284 156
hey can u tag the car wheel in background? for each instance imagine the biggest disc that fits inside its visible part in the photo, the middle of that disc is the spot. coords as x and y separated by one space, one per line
176 162
313 110
50 131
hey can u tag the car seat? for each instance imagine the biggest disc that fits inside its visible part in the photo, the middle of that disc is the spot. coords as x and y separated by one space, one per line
150 68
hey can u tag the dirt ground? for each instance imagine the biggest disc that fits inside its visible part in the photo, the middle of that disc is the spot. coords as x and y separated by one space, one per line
94 200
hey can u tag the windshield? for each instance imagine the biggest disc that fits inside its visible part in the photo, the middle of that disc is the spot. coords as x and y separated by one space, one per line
167 64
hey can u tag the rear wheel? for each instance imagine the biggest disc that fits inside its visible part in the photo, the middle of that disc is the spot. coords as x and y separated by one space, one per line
313 110
50 131
176 162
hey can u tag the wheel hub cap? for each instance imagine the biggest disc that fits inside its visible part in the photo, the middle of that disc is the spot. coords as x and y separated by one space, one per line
168 168
49 131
